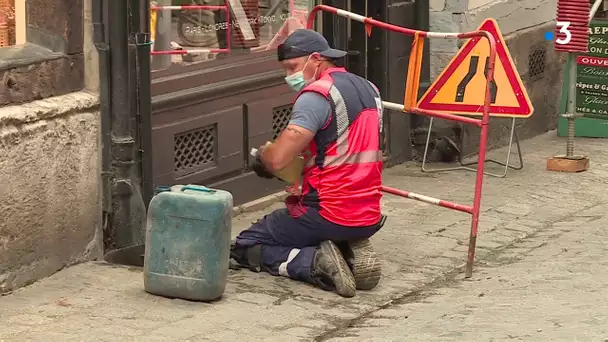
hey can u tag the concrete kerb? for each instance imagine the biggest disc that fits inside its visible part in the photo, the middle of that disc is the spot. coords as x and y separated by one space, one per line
259 204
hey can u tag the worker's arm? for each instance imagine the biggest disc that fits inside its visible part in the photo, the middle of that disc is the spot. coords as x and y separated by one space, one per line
310 114
292 141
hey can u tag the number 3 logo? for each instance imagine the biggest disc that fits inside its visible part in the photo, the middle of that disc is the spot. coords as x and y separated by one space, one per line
563 29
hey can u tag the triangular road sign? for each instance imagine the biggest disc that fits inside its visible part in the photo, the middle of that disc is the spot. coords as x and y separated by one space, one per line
460 88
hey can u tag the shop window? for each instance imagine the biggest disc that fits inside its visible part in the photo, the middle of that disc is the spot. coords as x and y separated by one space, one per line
248 27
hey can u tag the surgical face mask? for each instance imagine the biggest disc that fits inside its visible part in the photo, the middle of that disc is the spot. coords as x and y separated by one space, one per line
296 80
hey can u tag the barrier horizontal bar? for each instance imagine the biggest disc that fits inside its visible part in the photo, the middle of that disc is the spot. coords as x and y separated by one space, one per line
414 110
395 28
185 52
188 7
429 200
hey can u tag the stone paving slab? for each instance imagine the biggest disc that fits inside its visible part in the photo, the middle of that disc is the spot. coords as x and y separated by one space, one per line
419 246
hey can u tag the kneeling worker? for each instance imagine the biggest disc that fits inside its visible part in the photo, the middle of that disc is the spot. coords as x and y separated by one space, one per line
335 126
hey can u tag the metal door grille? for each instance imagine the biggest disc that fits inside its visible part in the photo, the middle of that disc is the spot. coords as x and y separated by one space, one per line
195 149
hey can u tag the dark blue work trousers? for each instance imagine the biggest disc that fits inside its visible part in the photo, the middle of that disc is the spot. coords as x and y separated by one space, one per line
288 244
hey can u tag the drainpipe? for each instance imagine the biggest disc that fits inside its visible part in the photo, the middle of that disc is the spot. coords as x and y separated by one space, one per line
140 40
144 46
127 206
421 7
105 85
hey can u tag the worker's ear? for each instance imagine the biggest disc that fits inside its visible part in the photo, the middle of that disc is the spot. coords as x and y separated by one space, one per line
316 58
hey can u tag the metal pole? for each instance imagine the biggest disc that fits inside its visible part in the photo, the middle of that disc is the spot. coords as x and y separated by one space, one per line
571 114
143 44
100 38
423 24
162 41
125 229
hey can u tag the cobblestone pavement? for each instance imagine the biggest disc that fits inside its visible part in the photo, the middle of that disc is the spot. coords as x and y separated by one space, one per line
550 286
539 275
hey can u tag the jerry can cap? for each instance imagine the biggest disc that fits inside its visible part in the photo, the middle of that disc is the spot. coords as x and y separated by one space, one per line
160 189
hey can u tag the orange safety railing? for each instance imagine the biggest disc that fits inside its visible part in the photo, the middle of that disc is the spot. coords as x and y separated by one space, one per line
409 106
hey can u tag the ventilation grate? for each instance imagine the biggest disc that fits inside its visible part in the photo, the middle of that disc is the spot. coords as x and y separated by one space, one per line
537 61
280 119
195 149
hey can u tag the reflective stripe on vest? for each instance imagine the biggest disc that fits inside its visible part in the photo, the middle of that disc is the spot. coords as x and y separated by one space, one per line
342 143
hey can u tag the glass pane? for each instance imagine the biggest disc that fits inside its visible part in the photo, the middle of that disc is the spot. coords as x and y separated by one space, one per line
210 31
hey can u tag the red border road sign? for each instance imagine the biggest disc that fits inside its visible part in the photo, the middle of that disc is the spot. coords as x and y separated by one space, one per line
460 88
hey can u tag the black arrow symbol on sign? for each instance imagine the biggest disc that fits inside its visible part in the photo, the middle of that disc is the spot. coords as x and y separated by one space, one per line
462 86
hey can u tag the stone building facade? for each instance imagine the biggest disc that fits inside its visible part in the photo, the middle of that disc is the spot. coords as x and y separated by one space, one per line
50 149
49 145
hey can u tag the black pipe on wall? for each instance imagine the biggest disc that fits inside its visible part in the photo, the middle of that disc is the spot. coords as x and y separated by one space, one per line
421 8
126 228
141 29
100 39
423 23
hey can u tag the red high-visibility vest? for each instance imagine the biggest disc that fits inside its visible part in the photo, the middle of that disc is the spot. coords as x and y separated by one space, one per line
343 173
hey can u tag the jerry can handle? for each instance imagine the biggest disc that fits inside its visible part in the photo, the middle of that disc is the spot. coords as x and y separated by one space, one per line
204 189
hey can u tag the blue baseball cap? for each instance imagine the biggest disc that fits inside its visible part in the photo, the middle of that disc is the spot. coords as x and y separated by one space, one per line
303 42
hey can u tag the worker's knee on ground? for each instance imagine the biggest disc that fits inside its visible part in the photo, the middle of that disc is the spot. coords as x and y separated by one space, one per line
248 256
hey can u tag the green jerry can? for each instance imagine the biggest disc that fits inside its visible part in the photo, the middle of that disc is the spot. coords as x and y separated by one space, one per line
188 242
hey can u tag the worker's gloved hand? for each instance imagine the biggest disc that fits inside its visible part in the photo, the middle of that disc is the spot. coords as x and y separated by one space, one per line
260 170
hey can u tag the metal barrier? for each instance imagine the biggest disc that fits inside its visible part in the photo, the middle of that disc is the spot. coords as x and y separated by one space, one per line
409 106
225 7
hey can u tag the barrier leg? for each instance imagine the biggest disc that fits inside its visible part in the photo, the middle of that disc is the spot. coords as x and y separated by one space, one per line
512 137
483 139
466 166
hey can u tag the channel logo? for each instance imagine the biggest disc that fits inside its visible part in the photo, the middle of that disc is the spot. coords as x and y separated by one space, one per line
563 29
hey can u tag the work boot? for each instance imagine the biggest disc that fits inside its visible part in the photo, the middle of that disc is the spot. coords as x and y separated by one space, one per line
363 262
330 271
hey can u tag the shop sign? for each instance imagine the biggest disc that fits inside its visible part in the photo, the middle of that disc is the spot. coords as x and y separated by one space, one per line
592 74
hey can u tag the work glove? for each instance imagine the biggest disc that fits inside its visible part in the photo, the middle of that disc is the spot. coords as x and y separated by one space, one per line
260 170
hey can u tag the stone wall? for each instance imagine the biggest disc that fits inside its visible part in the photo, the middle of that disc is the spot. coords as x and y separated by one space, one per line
49 143
465 15
50 199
